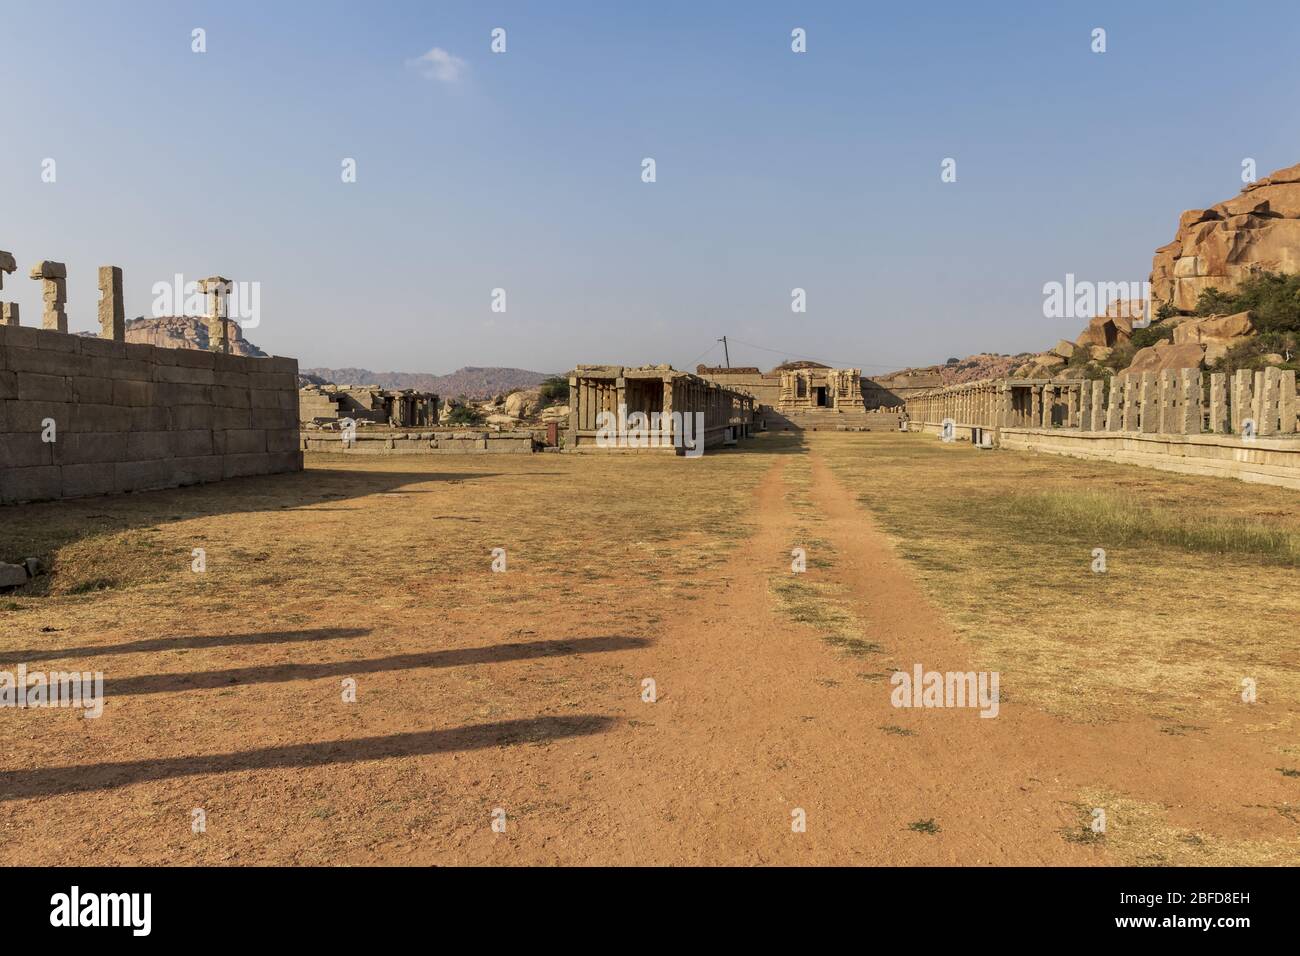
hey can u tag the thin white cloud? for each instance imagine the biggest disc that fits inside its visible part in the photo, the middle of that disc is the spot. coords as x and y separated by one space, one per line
439 65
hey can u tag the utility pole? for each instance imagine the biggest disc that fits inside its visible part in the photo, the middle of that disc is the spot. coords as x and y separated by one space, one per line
726 354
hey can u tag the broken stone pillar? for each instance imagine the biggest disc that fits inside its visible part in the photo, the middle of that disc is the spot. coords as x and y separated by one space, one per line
7 264
1084 421
1189 401
1287 404
112 310
217 289
1149 402
54 280
1098 414
1218 403
8 310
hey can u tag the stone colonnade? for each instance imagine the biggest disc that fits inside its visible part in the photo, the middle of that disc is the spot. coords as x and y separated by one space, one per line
1170 402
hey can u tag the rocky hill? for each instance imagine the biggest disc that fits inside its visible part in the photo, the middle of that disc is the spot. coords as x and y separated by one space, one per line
1225 294
973 368
183 332
1221 246
470 381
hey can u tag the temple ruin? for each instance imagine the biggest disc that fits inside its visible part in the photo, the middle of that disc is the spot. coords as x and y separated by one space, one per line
615 407
402 408
85 415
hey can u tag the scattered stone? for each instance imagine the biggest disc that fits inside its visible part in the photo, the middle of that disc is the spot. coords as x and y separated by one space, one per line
12 575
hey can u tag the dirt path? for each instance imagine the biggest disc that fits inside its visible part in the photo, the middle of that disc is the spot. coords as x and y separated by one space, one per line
756 717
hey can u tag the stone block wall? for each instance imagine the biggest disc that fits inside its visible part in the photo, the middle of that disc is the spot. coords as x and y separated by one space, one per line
85 416
454 442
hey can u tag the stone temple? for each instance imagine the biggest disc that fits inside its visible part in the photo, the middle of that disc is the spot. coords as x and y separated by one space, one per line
808 394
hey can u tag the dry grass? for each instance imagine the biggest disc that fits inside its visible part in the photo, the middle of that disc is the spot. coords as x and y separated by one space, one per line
572 530
1140 834
1200 591
809 597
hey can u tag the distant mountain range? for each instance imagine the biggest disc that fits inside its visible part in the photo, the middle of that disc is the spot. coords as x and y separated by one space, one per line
470 381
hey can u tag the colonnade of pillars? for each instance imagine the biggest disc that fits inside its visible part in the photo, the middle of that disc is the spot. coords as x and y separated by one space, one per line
1173 401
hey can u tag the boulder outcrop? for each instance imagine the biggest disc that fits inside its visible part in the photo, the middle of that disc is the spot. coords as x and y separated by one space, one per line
1218 247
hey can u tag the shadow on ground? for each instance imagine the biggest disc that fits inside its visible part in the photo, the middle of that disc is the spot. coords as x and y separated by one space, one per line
192 642
48 781
279 673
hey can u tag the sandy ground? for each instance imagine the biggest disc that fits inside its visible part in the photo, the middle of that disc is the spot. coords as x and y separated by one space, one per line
468 710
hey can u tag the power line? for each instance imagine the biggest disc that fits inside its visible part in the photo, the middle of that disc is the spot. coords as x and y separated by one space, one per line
702 354
789 354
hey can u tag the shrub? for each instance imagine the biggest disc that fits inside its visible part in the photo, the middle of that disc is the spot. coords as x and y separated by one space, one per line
1152 334
1272 299
555 390
464 415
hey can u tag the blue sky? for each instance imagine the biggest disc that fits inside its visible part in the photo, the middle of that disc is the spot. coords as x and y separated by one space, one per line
522 170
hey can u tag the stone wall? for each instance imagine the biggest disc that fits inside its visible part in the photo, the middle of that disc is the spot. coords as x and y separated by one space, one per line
454 442
129 417
1264 461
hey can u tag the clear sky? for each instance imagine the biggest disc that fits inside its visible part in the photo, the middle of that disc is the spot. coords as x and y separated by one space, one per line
522 170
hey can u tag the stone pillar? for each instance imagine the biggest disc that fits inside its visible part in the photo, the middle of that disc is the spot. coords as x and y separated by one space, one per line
1072 405
1287 404
217 289
112 311
54 282
1149 401
1257 403
1049 401
1189 401
1241 399
8 310
1218 403
1132 402
1098 415
1268 402
1115 405
1084 421
1166 390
